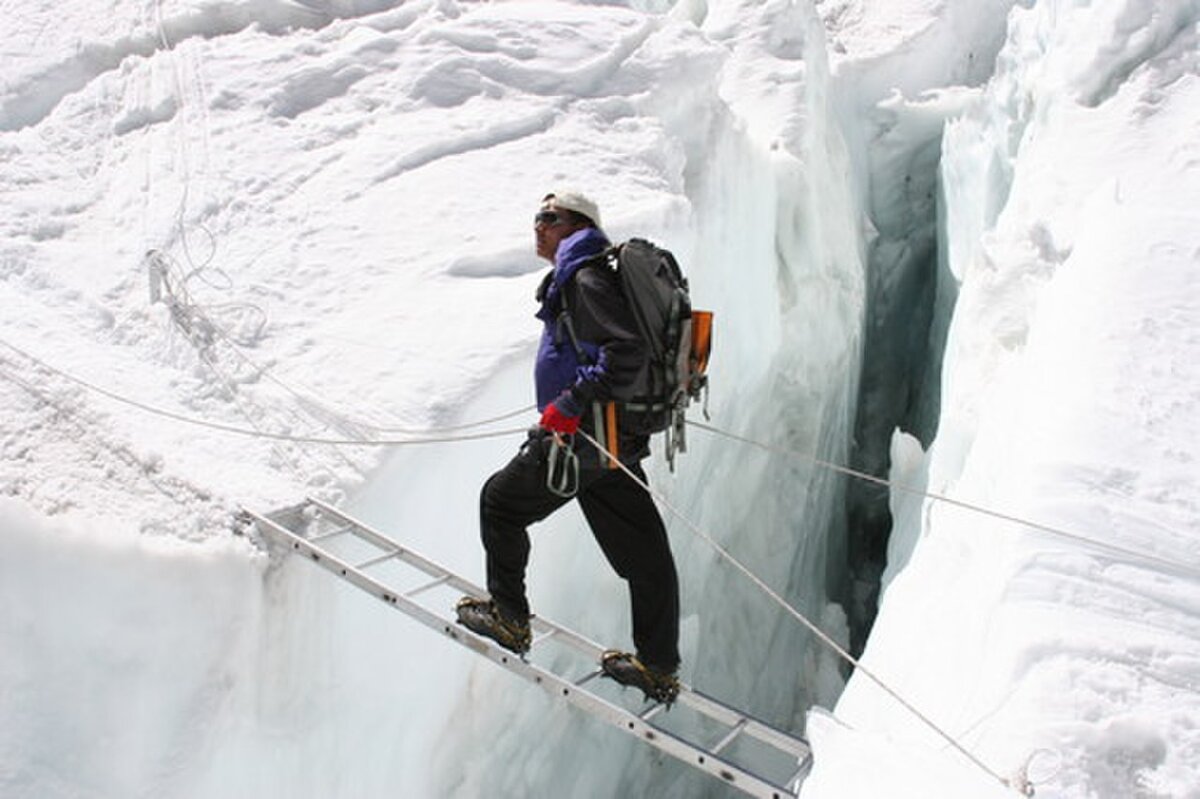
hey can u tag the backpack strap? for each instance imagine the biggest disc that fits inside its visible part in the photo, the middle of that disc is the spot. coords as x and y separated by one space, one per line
604 418
564 321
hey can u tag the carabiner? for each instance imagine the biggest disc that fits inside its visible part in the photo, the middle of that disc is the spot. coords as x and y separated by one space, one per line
562 467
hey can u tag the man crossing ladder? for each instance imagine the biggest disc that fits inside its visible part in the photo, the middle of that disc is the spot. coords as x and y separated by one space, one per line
590 353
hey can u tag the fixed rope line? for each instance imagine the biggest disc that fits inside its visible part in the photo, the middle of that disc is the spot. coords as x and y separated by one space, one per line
263 434
434 436
305 397
292 463
1174 566
466 426
169 285
191 316
171 489
1023 788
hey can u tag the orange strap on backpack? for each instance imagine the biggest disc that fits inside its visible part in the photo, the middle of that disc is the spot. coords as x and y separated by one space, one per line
701 340
610 430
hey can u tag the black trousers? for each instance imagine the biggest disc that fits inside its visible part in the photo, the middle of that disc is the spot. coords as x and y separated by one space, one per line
624 521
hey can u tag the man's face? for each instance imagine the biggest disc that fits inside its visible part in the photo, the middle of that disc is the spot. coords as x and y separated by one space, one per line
551 225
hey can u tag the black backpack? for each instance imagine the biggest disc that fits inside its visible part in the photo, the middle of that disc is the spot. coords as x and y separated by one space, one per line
678 340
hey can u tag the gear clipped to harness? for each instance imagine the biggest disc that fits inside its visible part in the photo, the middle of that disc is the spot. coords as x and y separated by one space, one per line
678 340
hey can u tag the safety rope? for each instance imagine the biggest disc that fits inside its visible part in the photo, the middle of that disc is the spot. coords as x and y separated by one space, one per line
1020 786
175 490
1020 783
1175 566
357 442
435 436
169 283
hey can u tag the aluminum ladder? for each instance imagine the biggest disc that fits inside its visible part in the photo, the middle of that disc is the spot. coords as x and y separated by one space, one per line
742 751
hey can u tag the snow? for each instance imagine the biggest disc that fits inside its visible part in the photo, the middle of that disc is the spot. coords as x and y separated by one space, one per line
336 196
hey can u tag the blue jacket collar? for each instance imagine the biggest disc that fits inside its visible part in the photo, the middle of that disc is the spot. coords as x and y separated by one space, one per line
573 252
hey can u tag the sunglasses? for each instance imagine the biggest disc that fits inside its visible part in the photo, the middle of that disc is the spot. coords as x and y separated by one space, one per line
549 218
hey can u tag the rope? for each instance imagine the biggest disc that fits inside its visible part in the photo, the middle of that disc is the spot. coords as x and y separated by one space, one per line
171 488
1057 531
292 463
466 426
1020 786
305 397
203 330
170 285
357 442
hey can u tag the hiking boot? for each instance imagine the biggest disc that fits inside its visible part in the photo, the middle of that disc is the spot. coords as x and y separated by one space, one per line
656 684
481 616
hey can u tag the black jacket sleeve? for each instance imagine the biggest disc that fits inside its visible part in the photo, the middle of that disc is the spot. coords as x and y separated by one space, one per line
601 316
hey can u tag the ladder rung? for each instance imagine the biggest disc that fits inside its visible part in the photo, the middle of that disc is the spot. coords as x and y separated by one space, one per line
420 589
793 783
366 564
576 689
591 675
331 534
729 736
542 637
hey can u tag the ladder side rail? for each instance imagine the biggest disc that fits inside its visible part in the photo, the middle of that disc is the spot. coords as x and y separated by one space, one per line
295 512
576 641
772 736
579 642
705 705
753 727
383 542
796 780
348 572
667 742
697 701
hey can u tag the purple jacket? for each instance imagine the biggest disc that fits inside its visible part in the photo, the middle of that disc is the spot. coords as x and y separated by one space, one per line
613 351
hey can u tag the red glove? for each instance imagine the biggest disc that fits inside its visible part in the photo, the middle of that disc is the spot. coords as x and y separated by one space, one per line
556 421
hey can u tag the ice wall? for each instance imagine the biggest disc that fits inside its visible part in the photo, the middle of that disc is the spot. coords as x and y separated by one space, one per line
897 80
124 656
1064 657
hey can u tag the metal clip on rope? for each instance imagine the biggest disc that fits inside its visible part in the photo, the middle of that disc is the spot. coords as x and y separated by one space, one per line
562 466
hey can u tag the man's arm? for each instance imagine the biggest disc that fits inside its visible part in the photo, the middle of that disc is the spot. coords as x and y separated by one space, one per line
603 317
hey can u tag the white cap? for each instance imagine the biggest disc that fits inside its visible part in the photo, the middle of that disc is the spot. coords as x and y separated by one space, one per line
571 200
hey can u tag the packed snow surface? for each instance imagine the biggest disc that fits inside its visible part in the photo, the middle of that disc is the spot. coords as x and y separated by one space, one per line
233 231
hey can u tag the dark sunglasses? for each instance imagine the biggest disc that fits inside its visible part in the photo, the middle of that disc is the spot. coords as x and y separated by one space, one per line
549 218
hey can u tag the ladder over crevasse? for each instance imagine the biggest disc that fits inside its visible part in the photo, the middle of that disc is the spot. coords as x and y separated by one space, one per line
742 751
